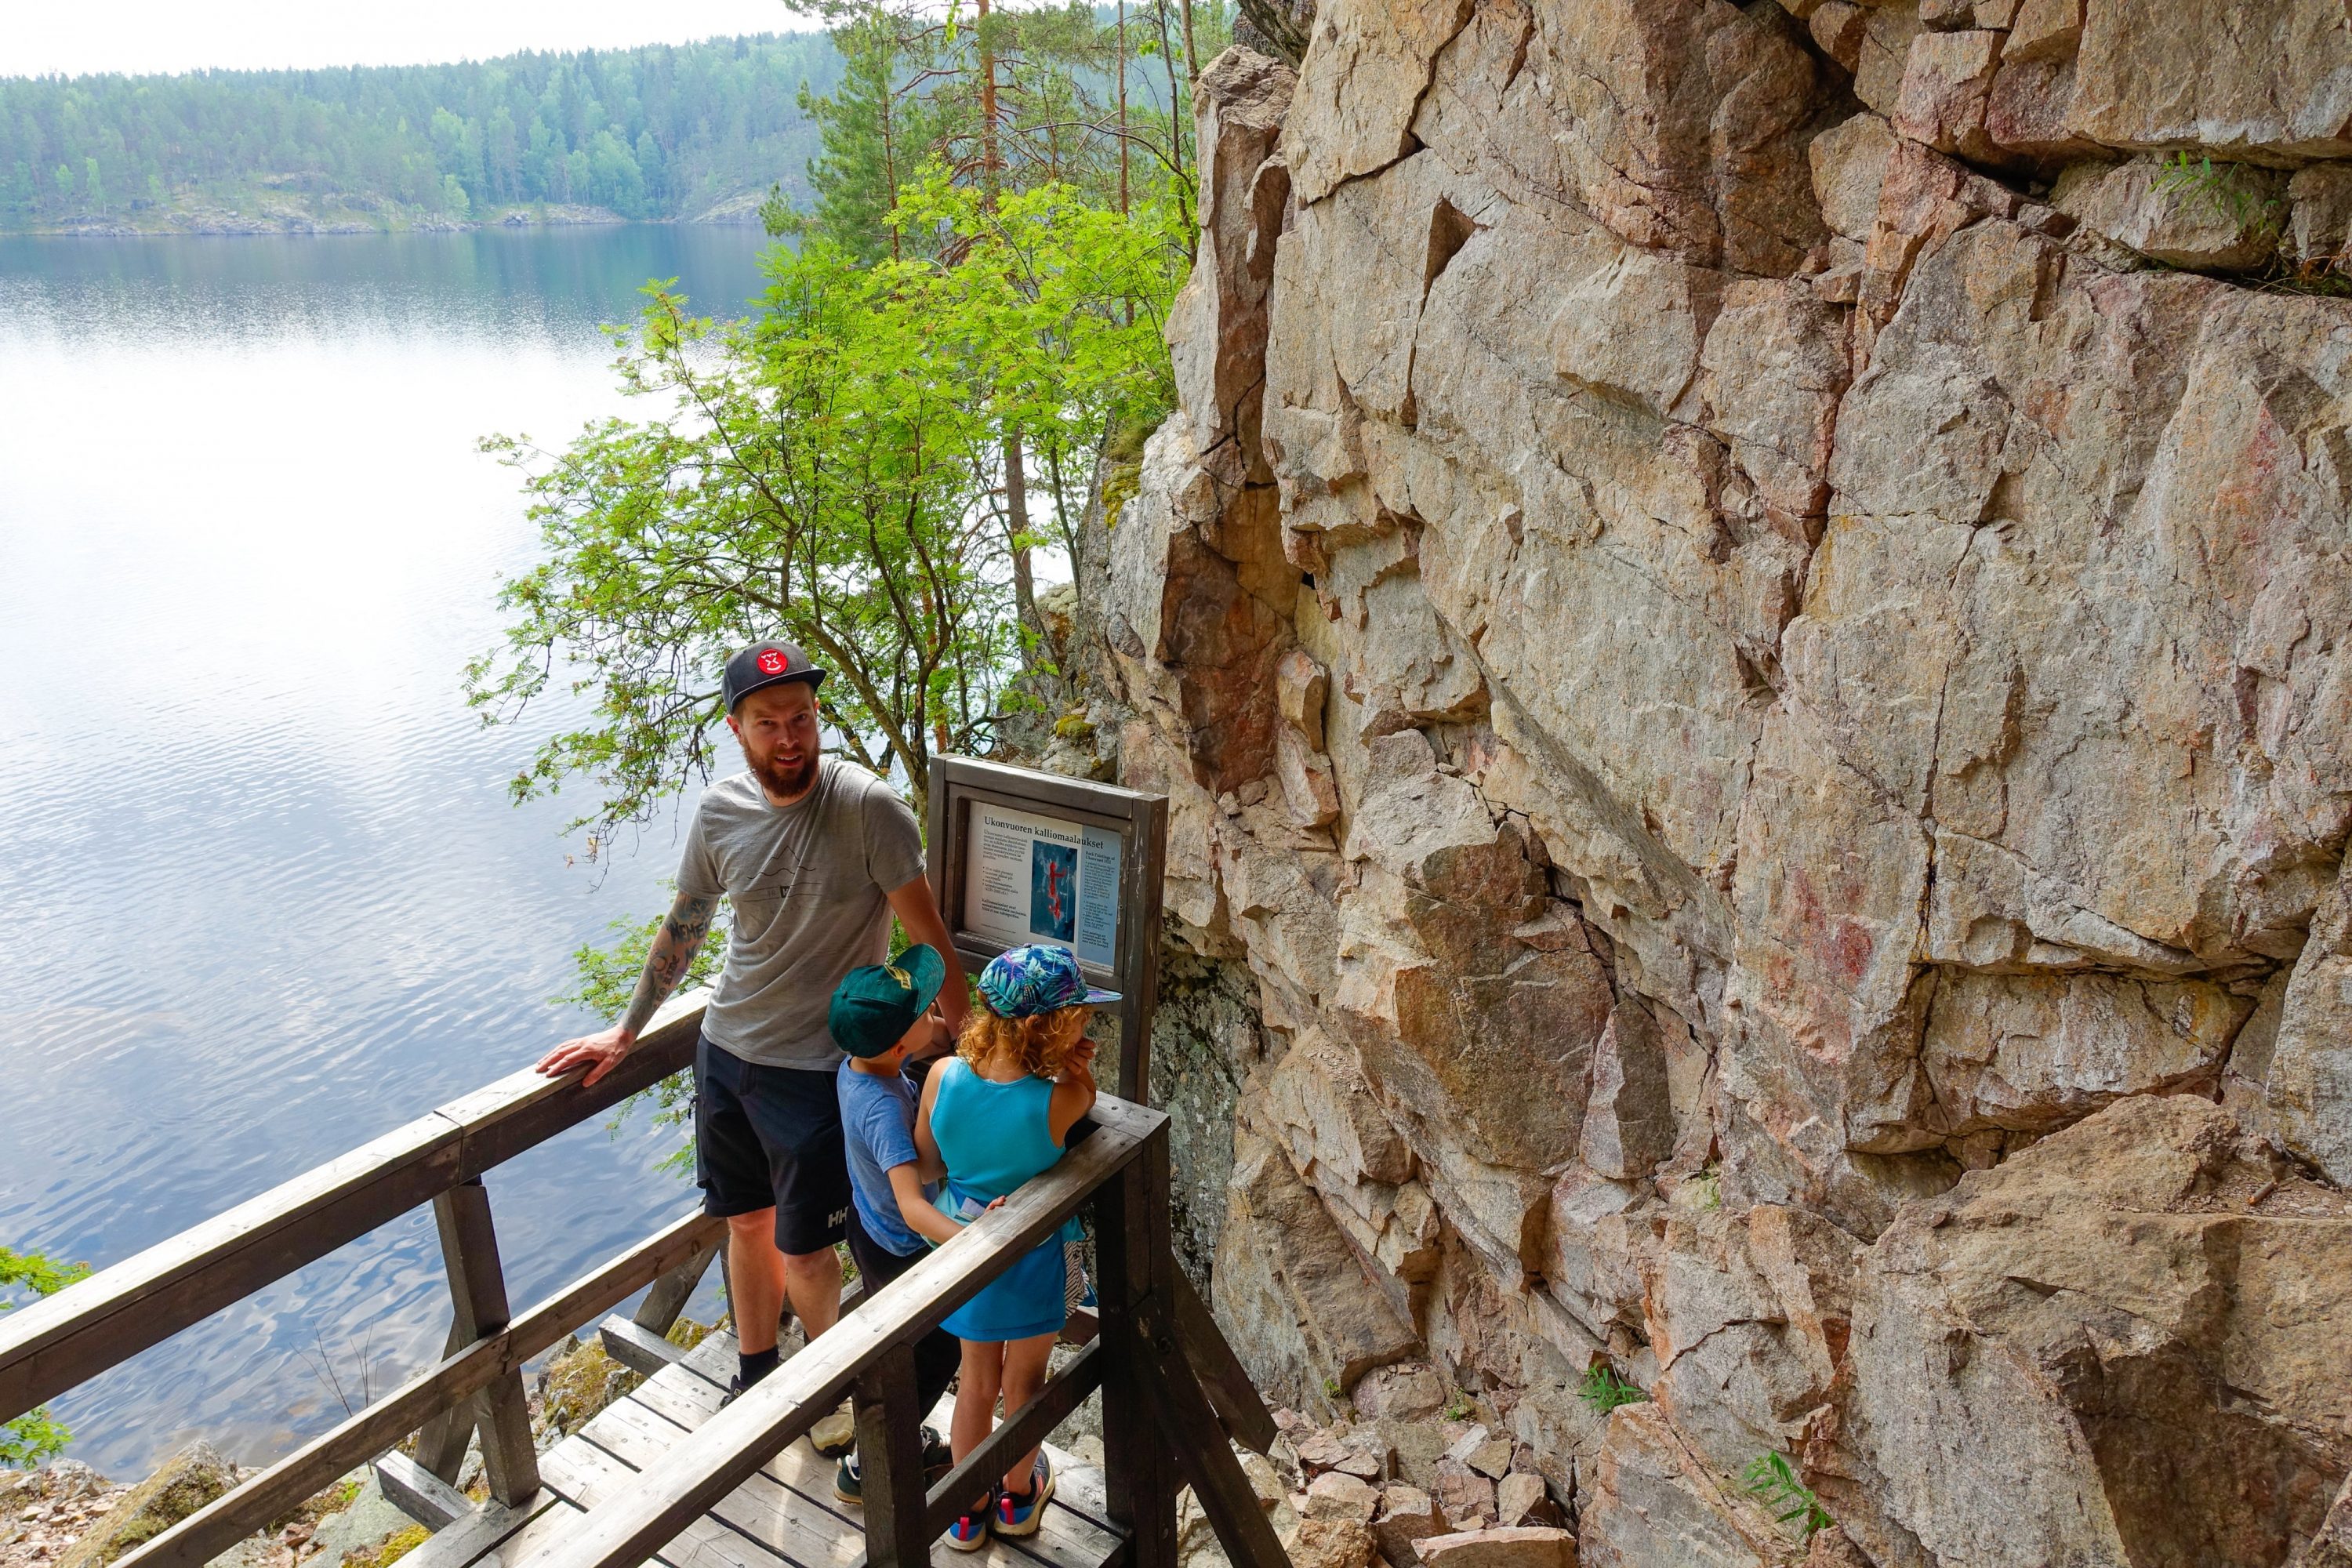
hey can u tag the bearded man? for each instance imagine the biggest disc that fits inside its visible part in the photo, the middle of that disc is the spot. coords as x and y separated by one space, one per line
814 854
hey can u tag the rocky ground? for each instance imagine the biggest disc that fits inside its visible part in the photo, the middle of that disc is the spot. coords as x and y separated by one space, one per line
1416 1484
1747 618
66 1515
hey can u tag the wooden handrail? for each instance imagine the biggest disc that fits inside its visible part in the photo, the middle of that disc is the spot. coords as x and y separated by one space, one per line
720 1454
277 1490
52 1344
1162 1366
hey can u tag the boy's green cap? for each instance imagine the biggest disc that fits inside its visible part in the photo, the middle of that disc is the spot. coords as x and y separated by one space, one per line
874 1006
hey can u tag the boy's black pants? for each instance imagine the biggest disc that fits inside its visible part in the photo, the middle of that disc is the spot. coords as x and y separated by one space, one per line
939 1354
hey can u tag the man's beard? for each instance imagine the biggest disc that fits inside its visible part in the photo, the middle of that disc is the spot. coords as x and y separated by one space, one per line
783 784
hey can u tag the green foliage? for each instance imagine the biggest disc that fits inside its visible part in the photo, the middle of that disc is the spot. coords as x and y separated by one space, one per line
2223 191
1603 1391
1702 1190
977 296
32 1271
827 472
657 132
914 90
1772 1480
810 477
868 139
34 1436
32 1439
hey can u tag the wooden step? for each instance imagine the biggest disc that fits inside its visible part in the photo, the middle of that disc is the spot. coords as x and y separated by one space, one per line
786 1516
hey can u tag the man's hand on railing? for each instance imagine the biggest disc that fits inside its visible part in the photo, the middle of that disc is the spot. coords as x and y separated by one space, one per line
600 1053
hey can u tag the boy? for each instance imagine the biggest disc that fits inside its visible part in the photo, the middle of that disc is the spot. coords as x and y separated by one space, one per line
883 1016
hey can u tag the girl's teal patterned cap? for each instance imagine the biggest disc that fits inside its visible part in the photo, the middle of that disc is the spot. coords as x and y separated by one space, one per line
1022 981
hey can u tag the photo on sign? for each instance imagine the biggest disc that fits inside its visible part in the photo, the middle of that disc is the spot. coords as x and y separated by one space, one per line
1031 877
1052 890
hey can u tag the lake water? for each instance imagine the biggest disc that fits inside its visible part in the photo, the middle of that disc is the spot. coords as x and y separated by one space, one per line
264 892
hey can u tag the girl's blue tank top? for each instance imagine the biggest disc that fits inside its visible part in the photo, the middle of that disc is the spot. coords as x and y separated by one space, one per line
994 1136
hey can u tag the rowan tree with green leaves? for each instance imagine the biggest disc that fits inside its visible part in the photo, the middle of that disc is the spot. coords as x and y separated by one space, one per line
1057 308
35 1437
811 476
920 401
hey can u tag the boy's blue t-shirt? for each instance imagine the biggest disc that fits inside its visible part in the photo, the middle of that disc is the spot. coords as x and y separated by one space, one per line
878 1131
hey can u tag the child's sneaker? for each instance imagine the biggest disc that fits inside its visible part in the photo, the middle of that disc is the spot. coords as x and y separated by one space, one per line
938 1457
970 1530
837 1433
848 1483
1020 1515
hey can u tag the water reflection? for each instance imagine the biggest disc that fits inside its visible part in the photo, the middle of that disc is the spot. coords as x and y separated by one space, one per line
266 893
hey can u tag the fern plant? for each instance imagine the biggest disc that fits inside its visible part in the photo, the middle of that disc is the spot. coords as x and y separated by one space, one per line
1604 1391
1772 1481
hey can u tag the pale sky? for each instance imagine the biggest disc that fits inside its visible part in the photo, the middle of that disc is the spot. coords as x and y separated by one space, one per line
145 35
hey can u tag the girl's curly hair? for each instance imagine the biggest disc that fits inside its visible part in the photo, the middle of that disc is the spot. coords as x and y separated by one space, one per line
1040 1043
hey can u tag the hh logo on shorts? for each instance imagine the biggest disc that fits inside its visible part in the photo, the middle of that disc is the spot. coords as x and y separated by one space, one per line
839 1216
771 663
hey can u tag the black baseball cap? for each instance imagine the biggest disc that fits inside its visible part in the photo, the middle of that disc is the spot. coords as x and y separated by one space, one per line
767 664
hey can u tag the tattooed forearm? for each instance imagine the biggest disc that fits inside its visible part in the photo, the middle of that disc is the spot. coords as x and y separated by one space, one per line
673 950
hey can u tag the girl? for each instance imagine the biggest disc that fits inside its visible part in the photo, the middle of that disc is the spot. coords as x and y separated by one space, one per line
996 1115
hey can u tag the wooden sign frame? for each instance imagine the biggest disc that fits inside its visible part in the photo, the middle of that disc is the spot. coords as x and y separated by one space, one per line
958 783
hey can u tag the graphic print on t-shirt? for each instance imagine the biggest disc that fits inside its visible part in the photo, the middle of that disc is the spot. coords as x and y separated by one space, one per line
808 884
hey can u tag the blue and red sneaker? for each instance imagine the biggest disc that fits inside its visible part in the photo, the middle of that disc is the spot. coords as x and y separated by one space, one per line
1018 1513
970 1530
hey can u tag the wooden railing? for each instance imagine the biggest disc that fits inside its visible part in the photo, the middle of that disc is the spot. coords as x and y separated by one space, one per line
439 1158
1172 1390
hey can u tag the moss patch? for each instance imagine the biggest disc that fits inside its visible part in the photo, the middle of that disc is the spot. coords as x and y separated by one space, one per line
579 1382
390 1550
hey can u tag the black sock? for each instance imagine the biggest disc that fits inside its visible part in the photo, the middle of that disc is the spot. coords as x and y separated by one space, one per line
753 1365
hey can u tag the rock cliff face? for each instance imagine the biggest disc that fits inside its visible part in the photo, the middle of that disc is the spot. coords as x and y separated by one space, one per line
1749 625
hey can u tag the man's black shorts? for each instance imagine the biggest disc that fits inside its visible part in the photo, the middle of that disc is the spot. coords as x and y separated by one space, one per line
768 1135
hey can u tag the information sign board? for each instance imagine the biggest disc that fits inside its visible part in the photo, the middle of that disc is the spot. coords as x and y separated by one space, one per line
1018 856
1029 877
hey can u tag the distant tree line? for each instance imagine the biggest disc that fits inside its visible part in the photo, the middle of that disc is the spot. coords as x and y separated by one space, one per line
651 132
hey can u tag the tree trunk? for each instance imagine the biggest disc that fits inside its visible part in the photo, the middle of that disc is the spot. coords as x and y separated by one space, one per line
1122 108
988 160
1016 526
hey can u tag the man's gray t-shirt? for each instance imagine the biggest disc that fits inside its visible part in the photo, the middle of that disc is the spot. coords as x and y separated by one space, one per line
807 884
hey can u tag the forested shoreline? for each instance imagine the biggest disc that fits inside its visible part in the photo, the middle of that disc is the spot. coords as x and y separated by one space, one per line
658 132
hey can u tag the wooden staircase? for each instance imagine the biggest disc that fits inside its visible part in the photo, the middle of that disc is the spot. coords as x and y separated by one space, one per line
667 1475
784 1516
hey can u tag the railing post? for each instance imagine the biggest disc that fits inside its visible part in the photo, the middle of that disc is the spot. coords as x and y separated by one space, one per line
1132 1252
891 1463
477 1295
658 1312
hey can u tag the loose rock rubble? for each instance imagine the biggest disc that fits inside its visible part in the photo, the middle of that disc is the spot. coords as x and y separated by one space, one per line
43 1512
1336 1497
66 1515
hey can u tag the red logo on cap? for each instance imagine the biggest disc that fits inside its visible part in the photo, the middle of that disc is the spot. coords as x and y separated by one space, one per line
771 663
